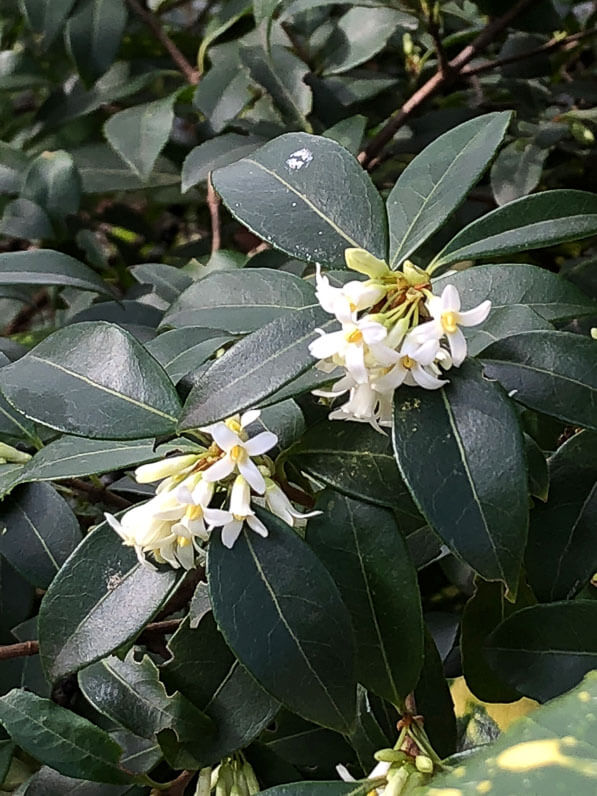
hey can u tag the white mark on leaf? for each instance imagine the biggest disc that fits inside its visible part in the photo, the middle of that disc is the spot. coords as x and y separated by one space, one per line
300 158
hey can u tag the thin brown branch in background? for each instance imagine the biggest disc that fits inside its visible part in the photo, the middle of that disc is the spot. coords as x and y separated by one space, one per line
22 320
428 89
98 494
435 33
152 22
213 203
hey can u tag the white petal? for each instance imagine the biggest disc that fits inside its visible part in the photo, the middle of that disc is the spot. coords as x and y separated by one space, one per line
203 493
186 556
425 379
250 471
261 443
431 330
256 525
156 471
355 363
231 532
240 497
392 379
373 332
249 417
217 517
474 316
385 356
427 352
450 299
344 774
184 495
219 470
224 437
457 343
327 345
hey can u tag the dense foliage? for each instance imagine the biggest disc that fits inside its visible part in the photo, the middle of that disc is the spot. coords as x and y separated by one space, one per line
298 397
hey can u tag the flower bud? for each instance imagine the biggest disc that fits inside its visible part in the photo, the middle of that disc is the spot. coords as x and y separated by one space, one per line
390 756
424 764
415 276
594 332
156 471
397 333
250 778
360 260
10 454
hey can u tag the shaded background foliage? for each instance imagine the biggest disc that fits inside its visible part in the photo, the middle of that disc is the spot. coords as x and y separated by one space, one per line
112 116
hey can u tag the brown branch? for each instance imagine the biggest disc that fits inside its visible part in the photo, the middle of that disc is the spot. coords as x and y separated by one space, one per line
435 33
25 648
98 494
428 89
21 321
213 203
565 43
153 23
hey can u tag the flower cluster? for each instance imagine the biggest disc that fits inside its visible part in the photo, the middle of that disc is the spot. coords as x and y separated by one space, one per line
212 487
394 331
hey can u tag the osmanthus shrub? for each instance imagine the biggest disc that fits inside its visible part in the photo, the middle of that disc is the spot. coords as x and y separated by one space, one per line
305 439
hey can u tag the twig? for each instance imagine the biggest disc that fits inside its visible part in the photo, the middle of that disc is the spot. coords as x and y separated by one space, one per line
564 43
98 494
456 65
25 648
435 33
21 321
213 203
153 23
178 787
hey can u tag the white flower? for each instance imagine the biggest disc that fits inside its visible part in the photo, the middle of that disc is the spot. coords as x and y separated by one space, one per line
142 529
414 367
240 511
447 318
380 770
233 440
344 302
277 502
156 471
198 519
350 346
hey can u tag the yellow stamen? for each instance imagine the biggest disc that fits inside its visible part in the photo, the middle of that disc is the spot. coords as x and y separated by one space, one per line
182 541
408 363
233 425
352 306
238 517
449 321
194 512
355 337
236 453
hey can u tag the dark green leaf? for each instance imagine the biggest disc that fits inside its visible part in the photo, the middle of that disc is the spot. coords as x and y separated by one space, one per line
517 171
62 739
543 219
434 701
537 469
368 558
349 133
317 788
215 153
52 182
38 531
182 351
359 34
302 648
551 372
477 505
46 16
254 368
168 282
48 267
102 170
96 380
307 196
545 650
24 219
139 134
93 35
562 554
239 301
437 181
100 600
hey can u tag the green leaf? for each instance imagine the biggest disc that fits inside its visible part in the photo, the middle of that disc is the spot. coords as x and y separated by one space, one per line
301 649
130 693
228 15
139 134
551 372
545 650
182 351
537 469
39 532
437 181
543 219
239 301
46 16
74 457
561 553
317 788
167 282
102 170
550 751
204 670
366 555
517 170
223 92
49 267
215 153
359 34
96 380
349 133
24 219
62 739
434 701
307 196
52 182
99 601
254 368
478 506
93 35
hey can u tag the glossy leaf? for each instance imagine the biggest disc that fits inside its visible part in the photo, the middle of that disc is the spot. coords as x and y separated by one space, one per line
366 555
93 35
52 182
96 380
478 506
437 181
48 267
214 154
168 282
543 219
545 650
307 196
39 532
317 788
517 171
359 34
254 368
46 16
562 554
551 372
434 701
61 739
99 601
182 351
239 301
139 134
301 650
